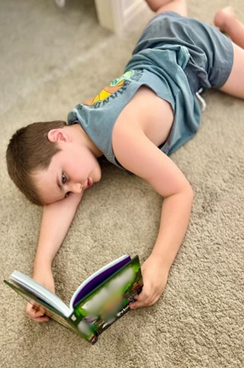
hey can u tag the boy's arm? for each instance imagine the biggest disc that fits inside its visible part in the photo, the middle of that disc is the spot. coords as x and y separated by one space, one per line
56 220
143 158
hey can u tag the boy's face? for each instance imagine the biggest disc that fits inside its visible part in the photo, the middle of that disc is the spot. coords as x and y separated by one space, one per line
71 170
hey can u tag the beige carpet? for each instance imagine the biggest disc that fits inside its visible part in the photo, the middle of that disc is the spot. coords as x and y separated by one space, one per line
51 59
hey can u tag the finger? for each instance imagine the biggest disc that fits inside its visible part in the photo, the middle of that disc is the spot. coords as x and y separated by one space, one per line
31 309
41 319
34 314
144 294
149 302
144 297
141 297
137 305
143 302
38 316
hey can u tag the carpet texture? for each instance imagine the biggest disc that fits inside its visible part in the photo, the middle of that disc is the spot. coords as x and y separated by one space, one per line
51 59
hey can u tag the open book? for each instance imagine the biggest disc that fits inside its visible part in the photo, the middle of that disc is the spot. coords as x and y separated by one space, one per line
97 303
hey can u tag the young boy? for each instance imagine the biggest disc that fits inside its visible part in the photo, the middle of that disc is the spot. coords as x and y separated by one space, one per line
135 122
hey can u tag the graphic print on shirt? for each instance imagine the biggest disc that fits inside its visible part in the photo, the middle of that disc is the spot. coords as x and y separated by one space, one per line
115 88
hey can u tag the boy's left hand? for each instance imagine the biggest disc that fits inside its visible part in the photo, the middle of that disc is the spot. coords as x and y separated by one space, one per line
155 275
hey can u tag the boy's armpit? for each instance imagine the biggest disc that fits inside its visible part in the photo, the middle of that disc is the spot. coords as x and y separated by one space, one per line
138 154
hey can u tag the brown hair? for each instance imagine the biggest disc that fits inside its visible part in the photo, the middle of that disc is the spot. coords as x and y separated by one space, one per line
29 149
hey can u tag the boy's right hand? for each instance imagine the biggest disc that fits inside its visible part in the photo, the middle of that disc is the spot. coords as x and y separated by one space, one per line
35 312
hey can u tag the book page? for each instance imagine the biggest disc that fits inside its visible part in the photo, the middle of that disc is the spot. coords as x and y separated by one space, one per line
41 305
40 291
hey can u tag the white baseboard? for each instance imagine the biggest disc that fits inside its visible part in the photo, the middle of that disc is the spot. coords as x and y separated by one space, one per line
115 15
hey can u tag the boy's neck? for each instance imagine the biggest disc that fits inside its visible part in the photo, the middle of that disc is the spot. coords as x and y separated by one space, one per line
80 136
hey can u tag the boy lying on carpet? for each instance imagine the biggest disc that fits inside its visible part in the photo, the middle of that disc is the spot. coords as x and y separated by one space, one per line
136 123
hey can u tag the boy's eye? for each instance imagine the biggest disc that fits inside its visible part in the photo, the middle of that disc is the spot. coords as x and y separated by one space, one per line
64 178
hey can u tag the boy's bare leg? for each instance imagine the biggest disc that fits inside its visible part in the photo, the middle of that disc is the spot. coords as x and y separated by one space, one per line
227 21
162 6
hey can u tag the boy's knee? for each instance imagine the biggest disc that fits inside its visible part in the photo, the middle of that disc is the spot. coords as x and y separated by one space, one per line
161 6
155 5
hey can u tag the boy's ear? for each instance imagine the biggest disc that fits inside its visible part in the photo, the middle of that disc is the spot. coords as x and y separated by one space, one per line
55 135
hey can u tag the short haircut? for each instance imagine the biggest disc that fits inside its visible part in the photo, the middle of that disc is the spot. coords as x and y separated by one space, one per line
30 150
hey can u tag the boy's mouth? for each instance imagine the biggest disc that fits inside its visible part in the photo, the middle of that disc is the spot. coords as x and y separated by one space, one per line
89 183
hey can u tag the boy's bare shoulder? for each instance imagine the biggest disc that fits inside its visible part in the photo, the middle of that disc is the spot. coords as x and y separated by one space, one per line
144 124
148 113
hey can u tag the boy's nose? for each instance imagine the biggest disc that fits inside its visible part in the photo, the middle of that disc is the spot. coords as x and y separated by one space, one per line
75 188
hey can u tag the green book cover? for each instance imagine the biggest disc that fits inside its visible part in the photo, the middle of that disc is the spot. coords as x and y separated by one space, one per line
92 310
109 301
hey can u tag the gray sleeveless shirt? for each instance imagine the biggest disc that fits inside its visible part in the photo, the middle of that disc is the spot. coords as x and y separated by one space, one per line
162 70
